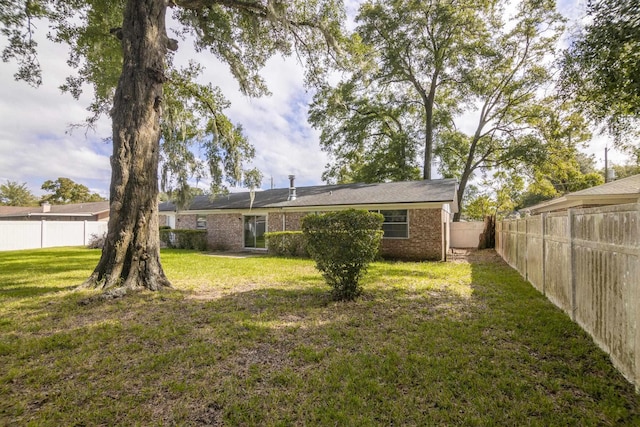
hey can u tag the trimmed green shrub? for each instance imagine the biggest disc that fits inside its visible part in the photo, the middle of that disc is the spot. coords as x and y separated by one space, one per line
184 239
286 243
343 244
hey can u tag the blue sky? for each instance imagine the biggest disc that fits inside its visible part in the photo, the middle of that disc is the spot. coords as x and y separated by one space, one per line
35 144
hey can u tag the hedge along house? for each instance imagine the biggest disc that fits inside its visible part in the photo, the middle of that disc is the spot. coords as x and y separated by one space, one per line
417 214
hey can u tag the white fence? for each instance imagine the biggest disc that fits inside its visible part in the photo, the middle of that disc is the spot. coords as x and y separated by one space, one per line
16 235
587 262
466 234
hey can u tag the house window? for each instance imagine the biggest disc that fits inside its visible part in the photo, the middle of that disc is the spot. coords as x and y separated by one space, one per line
201 222
396 224
254 229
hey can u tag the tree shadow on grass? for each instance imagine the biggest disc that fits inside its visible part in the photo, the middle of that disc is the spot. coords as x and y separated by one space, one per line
542 350
285 353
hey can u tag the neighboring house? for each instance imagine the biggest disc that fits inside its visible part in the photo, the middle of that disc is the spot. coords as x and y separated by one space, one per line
417 214
94 211
625 190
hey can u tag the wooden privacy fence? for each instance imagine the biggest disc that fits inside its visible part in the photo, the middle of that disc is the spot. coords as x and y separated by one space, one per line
16 235
587 262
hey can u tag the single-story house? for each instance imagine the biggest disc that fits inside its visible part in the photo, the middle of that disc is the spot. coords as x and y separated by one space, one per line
93 211
417 214
625 190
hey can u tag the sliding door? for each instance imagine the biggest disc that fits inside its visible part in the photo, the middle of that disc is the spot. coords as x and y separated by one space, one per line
254 229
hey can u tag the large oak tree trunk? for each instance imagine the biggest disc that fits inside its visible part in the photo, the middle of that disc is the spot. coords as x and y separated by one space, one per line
131 255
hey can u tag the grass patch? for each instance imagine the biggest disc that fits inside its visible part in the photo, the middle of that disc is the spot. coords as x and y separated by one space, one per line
258 341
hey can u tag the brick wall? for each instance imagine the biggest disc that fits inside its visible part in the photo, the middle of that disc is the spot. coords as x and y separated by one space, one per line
163 220
291 221
425 237
186 221
225 232
424 242
274 222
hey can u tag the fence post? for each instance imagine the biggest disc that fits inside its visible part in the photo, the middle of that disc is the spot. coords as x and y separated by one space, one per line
42 231
526 249
572 262
543 230
636 347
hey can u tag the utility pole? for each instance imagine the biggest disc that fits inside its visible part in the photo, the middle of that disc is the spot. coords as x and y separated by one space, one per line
606 164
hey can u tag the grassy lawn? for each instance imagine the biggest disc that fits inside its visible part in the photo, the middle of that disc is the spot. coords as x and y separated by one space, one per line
257 341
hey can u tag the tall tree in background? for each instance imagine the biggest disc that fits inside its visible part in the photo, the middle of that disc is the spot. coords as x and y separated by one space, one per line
562 168
426 66
64 190
600 68
13 193
510 72
243 33
410 58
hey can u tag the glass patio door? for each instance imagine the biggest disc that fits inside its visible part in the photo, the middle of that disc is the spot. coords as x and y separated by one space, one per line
254 229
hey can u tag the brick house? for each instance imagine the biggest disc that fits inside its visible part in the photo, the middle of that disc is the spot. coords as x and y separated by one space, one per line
417 214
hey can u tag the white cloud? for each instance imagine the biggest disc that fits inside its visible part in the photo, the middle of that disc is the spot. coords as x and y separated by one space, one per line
276 124
35 145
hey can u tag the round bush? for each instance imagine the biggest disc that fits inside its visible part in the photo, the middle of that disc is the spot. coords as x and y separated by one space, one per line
343 244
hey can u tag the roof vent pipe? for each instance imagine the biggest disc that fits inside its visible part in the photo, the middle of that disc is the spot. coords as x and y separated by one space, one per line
292 188
46 207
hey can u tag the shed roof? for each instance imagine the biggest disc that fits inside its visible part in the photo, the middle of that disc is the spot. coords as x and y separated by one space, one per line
628 185
625 190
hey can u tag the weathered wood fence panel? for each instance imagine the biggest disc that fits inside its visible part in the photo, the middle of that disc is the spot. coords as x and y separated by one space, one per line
534 253
557 261
587 262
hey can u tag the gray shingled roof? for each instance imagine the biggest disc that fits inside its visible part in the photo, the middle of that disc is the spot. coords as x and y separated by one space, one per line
91 208
624 190
628 185
12 210
427 191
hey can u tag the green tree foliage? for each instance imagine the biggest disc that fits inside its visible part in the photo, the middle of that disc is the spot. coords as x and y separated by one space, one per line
15 194
564 169
123 50
409 59
504 86
625 170
497 195
600 67
420 68
63 191
343 244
